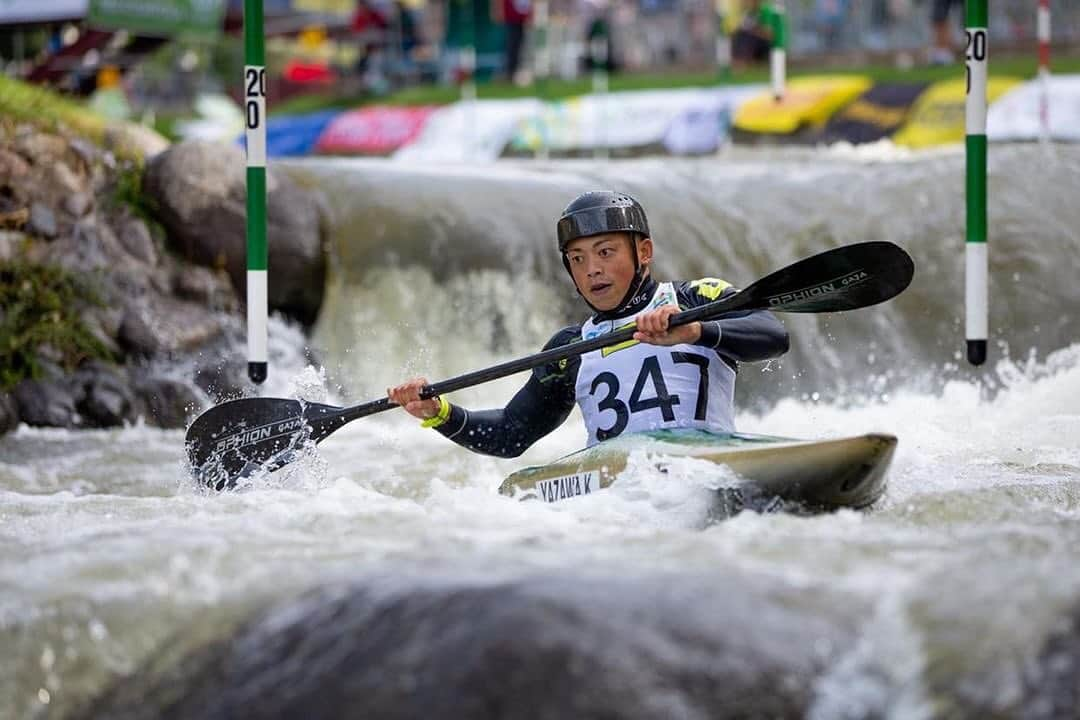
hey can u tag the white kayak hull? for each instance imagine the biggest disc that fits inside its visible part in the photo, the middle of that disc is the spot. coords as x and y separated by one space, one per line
811 474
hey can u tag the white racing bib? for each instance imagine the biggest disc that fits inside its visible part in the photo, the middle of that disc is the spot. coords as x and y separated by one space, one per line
635 387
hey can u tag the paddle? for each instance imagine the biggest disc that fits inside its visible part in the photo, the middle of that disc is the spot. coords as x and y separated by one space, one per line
232 440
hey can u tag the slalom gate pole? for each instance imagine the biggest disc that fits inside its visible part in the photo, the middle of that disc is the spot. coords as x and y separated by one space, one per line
255 135
976 260
1043 34
778 54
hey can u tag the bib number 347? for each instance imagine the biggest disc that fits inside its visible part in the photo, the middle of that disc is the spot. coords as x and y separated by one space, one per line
607 385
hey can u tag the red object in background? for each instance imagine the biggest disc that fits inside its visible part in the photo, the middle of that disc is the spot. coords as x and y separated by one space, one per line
305 73
516 11
373 131
367 18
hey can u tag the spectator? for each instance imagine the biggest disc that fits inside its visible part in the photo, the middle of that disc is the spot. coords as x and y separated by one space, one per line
830 17
599 46
407 26
370 28
516 15
942 52
752 39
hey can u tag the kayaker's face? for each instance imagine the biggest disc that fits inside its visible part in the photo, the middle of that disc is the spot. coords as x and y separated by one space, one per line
603 266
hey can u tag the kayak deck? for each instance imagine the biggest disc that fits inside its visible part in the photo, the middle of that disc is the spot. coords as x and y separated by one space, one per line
811 474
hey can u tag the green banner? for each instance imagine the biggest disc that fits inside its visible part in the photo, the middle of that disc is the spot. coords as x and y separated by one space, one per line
159 17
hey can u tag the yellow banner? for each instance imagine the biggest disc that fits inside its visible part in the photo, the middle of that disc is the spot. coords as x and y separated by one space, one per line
807 101
330 7
939 114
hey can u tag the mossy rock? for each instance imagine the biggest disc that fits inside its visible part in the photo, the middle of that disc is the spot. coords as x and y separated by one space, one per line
40 321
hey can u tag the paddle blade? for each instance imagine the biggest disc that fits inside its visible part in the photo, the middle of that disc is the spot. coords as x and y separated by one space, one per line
845 278
232 440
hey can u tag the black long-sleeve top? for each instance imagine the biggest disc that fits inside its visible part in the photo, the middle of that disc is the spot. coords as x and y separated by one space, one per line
547 398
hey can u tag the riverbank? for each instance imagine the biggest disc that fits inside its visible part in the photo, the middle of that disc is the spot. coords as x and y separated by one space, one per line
121 256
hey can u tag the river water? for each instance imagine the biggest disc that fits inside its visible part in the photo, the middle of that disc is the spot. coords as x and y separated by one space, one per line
384 577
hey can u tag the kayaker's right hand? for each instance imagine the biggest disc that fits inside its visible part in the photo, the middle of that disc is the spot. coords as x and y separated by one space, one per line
407 395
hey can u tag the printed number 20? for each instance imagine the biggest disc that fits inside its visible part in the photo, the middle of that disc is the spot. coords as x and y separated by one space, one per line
255 87
976 50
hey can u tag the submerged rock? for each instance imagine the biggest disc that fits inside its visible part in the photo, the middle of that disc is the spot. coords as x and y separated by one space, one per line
553 647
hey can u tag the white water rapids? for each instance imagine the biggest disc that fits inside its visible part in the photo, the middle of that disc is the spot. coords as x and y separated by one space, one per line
956 584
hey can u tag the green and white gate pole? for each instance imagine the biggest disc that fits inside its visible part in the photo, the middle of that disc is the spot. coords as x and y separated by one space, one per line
598 51
778 54
255 134
977 262
1043 33
541 25
723 44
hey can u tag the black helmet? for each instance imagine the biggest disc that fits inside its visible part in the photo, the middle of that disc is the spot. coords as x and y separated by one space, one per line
605 211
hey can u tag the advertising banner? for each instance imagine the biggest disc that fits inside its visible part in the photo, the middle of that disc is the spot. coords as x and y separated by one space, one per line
24 11
159 17
466 131
1016 114
373 131
874 115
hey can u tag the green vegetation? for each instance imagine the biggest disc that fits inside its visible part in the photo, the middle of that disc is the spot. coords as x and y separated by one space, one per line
47 110
40 308
1024 65
126 189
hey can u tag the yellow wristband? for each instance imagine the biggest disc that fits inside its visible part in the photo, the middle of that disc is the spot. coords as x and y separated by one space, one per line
441 417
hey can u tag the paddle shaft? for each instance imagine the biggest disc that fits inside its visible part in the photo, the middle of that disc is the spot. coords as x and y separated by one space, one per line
732 303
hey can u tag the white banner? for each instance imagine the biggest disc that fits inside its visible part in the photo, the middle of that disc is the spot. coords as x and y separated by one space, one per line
469 131
701 130
1015 115
632 119
28 11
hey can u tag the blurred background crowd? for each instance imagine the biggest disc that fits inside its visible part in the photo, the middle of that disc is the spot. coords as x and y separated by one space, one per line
360 48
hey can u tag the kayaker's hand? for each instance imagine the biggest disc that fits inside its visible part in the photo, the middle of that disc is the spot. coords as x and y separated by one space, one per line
652 328
407 395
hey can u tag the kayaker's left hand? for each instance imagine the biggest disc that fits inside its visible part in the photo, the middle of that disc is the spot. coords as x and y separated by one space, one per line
652 328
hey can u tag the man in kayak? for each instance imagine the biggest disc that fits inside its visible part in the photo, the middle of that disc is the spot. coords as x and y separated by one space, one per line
678 377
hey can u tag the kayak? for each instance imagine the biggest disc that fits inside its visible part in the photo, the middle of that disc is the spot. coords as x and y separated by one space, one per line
771 472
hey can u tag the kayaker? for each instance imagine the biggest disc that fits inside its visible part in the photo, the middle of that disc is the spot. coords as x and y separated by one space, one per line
683 377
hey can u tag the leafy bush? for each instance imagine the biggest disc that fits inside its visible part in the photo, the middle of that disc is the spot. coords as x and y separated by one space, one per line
39 307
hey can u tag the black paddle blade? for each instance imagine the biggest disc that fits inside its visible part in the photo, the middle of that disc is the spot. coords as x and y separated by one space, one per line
232 440
845 278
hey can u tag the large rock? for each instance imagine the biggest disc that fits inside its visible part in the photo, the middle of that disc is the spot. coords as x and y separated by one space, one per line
168 403
12 166
9 413
48 403
209 288
535 649
199 189
158 324
91 245
104 397
136 239
11 244
128 138
41 148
